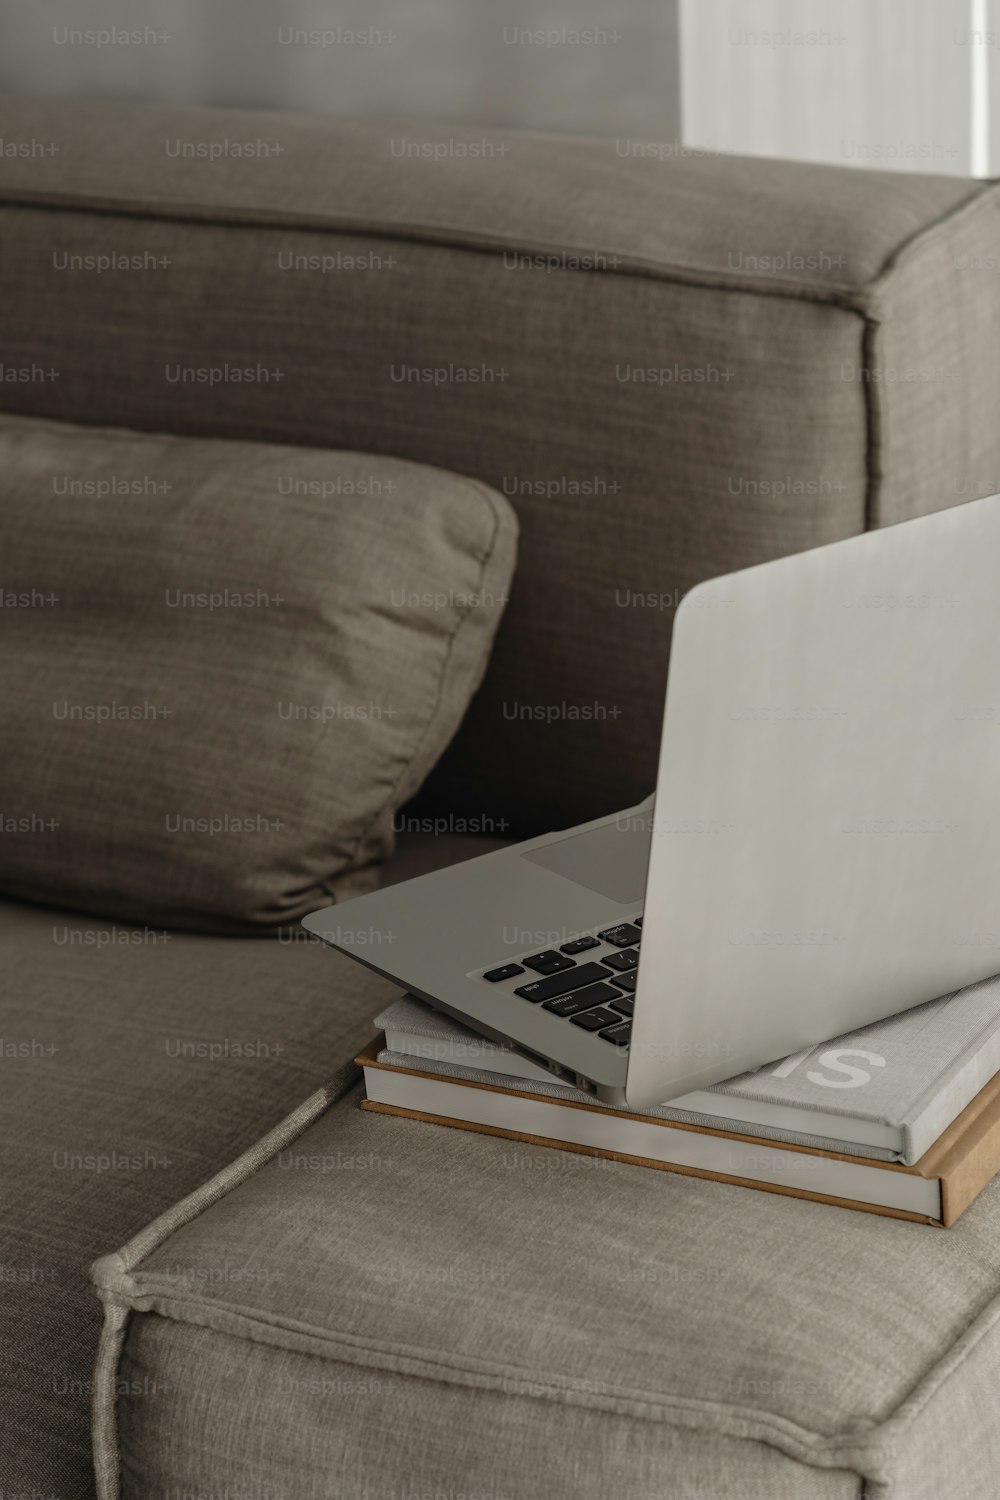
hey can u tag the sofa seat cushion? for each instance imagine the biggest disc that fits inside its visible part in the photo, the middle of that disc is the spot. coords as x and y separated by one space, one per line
421 1310
133 1064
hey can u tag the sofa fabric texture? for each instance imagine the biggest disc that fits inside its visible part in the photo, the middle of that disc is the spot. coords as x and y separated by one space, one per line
136 1063
233 664
380 1285
673 365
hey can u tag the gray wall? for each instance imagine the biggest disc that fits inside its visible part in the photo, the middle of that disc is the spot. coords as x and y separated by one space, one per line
437 59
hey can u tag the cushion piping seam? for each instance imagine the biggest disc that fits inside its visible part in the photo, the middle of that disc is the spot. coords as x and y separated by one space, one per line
483 559
841 1449
125 1288
660 1408
873 429
989 189
873 405
947 1364
837 294
112 1273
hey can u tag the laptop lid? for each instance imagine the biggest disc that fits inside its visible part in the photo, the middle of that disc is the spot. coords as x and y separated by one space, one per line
826 841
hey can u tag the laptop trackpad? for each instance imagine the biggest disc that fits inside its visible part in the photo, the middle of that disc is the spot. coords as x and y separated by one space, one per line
611 861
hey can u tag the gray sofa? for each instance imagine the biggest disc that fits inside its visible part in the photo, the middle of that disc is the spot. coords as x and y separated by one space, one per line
687 365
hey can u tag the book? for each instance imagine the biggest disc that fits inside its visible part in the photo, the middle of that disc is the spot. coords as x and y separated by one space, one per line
934 1190
886 1092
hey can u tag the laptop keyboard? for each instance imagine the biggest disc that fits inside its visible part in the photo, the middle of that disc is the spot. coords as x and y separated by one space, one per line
596 994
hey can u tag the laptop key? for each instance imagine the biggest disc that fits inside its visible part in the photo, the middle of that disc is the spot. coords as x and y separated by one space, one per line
561 984
625 1004
618 1034
507 971
637 921
549 962
626 982
579 945
629 959
622 936
585 999
595 1020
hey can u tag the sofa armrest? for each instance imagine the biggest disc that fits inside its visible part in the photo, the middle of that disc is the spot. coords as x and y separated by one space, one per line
675 365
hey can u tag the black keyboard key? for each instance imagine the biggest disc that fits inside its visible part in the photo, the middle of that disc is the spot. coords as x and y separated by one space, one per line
561 984
637 922
625 1005
622 936
590 995
595 1020
618 1034
549 962
506 972
579 945
626 982
623 962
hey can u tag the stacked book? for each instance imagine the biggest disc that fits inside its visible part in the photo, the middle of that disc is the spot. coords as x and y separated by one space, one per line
901 1118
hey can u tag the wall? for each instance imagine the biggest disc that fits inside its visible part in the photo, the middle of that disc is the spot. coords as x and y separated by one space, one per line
590 66
897 84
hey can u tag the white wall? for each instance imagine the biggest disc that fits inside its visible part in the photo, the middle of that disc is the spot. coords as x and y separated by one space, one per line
899 84
476 60
884 83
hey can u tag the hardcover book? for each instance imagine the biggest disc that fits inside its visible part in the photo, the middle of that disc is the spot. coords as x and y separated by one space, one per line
886 1093
934 1190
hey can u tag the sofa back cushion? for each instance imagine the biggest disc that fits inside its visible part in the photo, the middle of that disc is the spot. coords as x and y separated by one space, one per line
226 665
674 363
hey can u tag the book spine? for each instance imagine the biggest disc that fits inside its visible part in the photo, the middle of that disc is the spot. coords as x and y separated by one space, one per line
931 1121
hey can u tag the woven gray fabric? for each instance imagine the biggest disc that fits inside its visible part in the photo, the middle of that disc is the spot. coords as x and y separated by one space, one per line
236 673
135 1066
674 367
381 1285
631 487
384 1433
694 215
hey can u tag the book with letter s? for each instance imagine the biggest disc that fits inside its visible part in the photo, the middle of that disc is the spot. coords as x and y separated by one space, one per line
901 1118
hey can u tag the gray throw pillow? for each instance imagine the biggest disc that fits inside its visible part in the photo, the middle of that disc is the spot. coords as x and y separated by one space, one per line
224 666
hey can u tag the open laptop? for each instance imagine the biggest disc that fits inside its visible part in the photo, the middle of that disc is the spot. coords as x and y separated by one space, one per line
824 851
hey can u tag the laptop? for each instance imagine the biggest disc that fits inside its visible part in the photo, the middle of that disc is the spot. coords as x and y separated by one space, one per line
823 847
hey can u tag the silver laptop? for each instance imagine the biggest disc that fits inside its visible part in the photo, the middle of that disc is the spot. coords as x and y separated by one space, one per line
824 850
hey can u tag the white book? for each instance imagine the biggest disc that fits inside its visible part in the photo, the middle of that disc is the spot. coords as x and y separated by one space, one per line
545 1119
886 1092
